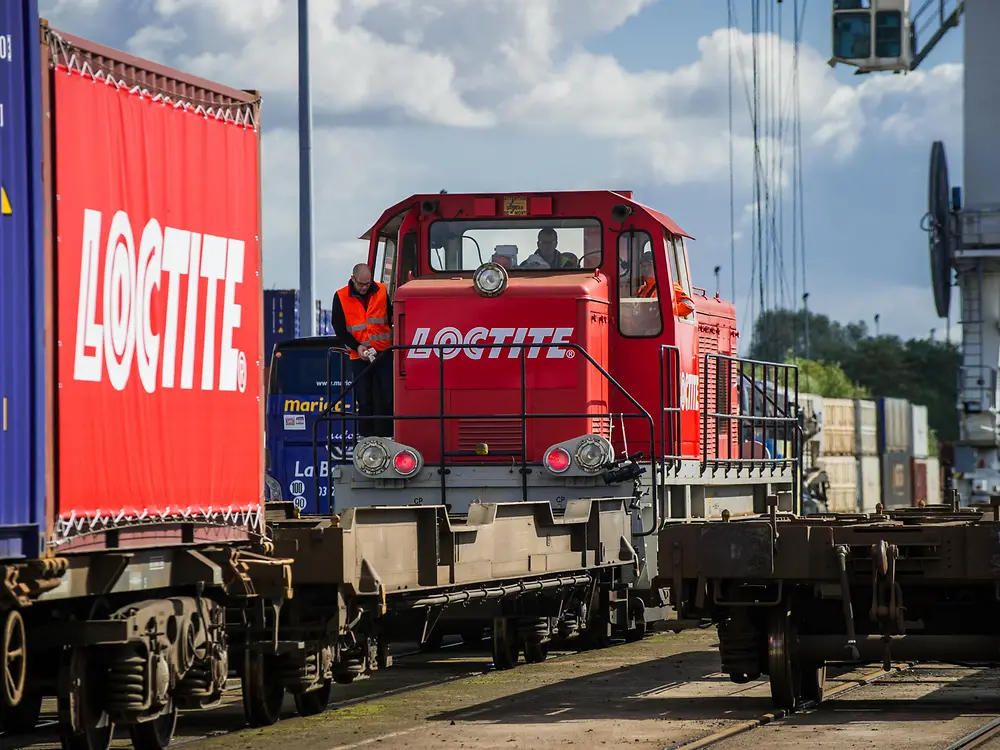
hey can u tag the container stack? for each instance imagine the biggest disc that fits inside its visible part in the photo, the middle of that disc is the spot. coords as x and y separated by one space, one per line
895 443
281 318
925 469
867 454
836 454
324 326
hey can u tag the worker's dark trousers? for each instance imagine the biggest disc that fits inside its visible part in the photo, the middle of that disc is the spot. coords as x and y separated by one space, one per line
373 396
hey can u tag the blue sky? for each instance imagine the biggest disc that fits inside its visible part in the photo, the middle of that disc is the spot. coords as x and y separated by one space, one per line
420 95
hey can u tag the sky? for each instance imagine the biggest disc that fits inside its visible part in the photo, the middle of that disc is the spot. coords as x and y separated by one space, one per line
414 96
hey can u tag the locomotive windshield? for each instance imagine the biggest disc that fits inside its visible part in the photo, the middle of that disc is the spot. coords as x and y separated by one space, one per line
518 244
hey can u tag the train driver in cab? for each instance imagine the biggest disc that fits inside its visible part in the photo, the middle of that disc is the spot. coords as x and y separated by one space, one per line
548 254
648 288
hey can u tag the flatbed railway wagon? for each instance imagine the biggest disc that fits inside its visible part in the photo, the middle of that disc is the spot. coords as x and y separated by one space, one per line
547 423
134 571
792 595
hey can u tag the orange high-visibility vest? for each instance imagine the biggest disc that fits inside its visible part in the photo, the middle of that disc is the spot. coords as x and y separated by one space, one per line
369 326
648 288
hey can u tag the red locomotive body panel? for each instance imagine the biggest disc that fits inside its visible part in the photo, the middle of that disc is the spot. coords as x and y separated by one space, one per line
484 382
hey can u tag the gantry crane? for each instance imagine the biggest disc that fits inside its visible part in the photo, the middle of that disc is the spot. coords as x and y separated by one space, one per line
963 225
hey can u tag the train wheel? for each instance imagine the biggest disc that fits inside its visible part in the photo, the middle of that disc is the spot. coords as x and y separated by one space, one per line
263 692
79 685
315 701
536 653
637 629
783 666
813 682
156 734
14 650
505 646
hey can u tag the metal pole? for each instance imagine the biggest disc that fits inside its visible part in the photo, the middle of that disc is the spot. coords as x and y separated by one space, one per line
306 276
805 319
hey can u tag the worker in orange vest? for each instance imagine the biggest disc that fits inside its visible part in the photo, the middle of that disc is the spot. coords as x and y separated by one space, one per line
648 288
361 316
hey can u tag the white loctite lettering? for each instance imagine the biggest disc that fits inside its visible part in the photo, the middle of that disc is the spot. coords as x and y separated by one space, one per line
689 391
125 334
448 338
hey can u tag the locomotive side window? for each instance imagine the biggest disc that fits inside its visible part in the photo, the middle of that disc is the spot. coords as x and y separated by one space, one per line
407 261
385 261
519 244
679 270
638 299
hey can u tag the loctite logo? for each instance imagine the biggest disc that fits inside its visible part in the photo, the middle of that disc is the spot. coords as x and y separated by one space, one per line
131 273
448 337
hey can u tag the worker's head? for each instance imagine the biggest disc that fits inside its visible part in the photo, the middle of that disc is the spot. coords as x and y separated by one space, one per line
547 242
361 276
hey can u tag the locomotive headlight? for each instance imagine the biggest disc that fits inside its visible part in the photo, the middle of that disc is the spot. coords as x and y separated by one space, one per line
591 454
371 456
490 279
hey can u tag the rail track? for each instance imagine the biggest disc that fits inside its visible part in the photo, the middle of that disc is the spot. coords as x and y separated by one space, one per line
398 680
978 738
44 735
888 709
720 736
664 692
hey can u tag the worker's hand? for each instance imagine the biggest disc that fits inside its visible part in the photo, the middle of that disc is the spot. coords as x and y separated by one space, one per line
363 350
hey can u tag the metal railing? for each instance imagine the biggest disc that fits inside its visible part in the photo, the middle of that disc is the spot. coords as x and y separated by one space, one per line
442 416
783 420
671 452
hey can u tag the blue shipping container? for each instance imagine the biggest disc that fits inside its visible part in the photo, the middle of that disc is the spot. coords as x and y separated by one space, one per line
307 379
22 372
281 318
324 326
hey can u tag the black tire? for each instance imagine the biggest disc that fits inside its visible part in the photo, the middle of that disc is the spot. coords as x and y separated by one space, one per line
315 701
77 667
156 734
536 653
506 649
263 692
813 686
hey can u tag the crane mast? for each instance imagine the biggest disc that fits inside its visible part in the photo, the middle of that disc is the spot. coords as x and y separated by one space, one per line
963 224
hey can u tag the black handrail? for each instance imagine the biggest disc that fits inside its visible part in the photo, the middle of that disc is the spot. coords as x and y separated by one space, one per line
523 416
786 424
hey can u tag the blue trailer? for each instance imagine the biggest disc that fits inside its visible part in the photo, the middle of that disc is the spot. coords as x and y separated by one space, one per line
305 377
23 519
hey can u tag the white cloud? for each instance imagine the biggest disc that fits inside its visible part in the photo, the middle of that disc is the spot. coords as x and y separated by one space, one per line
349 193
502 96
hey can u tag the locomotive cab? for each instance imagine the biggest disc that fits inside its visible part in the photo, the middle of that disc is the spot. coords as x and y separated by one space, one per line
550 329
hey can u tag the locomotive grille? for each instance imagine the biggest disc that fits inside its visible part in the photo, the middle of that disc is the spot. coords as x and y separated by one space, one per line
601 426
708 343
502 435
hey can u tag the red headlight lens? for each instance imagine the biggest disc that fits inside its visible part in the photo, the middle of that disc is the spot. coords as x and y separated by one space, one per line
405 462
557 460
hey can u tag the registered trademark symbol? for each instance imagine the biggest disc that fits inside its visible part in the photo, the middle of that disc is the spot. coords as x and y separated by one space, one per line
570 353
241 372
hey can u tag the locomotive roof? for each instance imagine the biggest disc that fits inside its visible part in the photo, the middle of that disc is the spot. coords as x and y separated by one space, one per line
665 221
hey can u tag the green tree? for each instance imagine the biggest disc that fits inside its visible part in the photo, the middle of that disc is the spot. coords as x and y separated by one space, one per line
826 379
922 371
